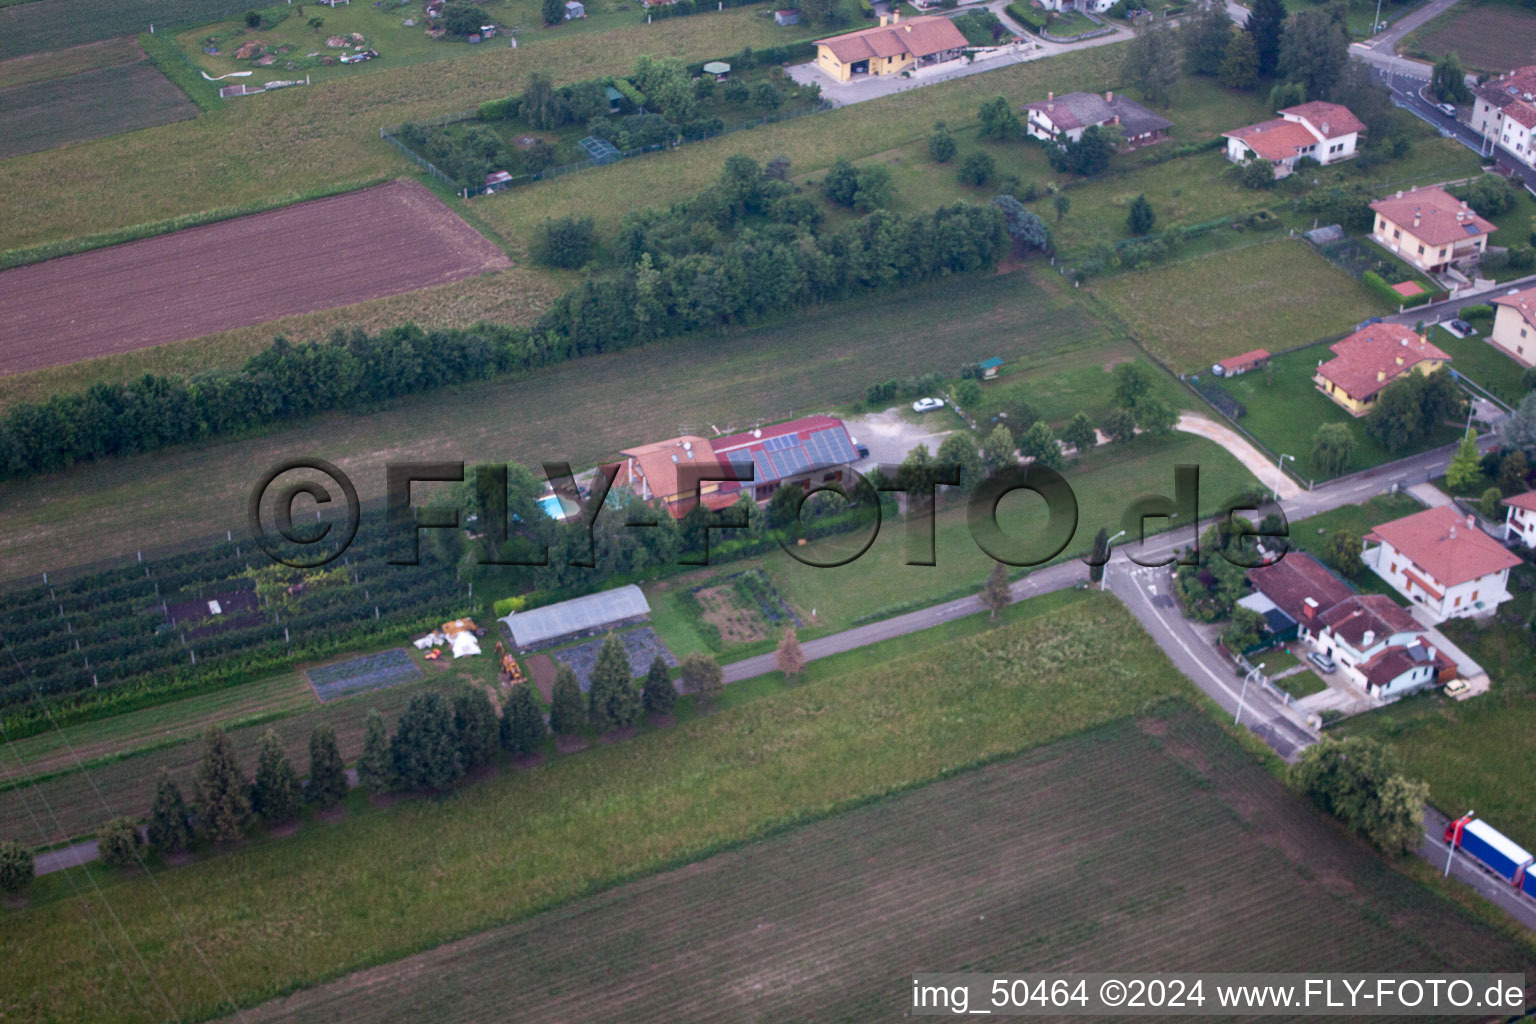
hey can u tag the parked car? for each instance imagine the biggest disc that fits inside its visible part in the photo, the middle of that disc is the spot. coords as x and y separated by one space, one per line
1448 109
1324 663
1461 327
1363 324
927 404
1456 687
862 449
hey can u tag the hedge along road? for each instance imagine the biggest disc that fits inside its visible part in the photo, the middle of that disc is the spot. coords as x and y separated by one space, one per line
299 259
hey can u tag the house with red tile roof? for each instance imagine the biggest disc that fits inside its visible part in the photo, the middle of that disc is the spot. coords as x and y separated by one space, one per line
1441 561
1520 520
1430 228
893 46
1504 112
1514 326
1372 358
1325 132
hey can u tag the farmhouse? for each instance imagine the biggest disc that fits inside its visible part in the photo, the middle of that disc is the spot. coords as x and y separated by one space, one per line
669 471
1368 360
1064 118
579 617
1514 326
1430 228
890 48
1504 112
1441 561
1520 521
1325 132
1378 646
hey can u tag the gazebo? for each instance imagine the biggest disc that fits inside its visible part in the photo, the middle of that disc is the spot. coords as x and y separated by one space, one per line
718 68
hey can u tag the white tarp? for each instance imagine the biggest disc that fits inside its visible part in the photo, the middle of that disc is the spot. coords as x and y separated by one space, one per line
578 615
464 645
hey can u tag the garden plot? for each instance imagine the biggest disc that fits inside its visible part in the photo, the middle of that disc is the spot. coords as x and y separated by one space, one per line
359 675
39 115
642 646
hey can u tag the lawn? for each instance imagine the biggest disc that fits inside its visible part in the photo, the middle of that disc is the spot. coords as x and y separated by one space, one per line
1360 14
1301 684
1478 360
402 879
837 904
1479 753
1311 534
1490 36
88 105
1276 296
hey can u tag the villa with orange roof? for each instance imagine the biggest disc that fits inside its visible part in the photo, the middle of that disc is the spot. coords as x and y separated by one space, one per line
1441 561
1520 521
1326 132
893 46
1514 326
1364 363
1430 228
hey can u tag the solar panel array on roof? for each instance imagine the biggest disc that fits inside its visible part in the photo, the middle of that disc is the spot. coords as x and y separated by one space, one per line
578 615
780 443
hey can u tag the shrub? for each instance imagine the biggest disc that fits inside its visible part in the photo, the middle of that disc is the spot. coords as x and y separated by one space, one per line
507 605
1480 309
253 19
977 168
16 867
566 243
118 843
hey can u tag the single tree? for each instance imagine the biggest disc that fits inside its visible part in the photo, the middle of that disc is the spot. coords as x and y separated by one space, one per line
767 96
1257 173
461 18
1489 504
1155 417
223 794
1512 472
1119 425
959 450
567 710
613 702
275 792
1206 33
118 843
1079 433
1245 631
1518 431
1140 218
789 658
567 243
997 119
1025 229
522 722
701 676
553 11
1314 50
1100 555
841 184
1063 204
168 828
941 143
327 784
1333 448
1240 64
375 770
253 19
995 593
16 867
658 695
1360 781
977 168
998 449
1039 444
1266 18
873 188
1449 81
475 727
424 751
1466 466
1131 383
1152 62
1342 551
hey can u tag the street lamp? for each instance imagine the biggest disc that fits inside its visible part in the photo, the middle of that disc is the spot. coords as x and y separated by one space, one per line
1107 546
1450 848
1280 468
1237 718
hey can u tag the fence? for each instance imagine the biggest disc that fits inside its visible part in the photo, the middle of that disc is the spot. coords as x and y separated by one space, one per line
419 161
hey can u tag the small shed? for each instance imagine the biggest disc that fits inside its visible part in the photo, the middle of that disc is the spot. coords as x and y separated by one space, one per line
487 31
718 68
989 367
615 98
789 16
1234 365
574 9
497 180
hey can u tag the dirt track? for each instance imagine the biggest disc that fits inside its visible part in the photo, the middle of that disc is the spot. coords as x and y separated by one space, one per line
311 256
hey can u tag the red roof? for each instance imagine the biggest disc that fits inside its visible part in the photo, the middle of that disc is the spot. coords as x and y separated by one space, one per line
1330 119
1274 140
1523 112
1300 585
1526 500
1522 302
1371 358
1352 618
787 450
920 37
1433 216
1244 361
1445 544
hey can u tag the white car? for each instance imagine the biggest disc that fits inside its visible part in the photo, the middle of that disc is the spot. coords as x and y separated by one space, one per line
1448 109
927 404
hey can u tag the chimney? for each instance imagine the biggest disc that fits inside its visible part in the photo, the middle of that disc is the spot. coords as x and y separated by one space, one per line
1109 96
1049 97
895 17
906 28
1428 649
1471 522
1399 360
1368 639
885 19
1381 375
1309 608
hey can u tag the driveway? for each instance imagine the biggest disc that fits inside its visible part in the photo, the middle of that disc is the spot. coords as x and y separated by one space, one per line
1254 460
891 434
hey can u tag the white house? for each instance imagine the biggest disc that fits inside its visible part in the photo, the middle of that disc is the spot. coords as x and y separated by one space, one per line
1504 111
1514 325
1326 132
1442 562
1091 6
1520 522
1064 118
1378 645
1430 228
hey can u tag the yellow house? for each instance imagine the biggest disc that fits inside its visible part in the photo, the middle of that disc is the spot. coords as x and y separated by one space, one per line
1429 228
1514 326
890 48
1364 363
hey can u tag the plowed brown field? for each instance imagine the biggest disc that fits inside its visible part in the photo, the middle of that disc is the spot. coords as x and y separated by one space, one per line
302 258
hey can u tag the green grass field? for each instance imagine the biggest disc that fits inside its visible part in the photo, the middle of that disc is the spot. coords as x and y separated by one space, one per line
73 61
398 880
809 924
88 105
1478 360
1360 14
1276 296
1284 415
584 411
1490 36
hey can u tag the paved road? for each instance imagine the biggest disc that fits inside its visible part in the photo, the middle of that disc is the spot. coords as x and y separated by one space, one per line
1465 869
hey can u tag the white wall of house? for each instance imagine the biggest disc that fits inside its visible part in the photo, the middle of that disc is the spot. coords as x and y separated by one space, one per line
1331 151
1520 525
1459 601
1415 678
1041 126
1515 138
1512 334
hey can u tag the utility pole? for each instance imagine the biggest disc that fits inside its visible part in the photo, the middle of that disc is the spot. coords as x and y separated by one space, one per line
1237 718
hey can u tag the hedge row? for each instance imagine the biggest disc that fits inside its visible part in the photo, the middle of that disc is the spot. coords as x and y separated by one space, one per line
767 56
1028 16
1377 284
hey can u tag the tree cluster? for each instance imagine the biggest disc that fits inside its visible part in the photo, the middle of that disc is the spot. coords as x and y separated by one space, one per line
1361 782
1408 410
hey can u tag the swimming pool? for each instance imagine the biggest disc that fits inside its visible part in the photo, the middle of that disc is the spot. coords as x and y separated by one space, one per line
556 507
